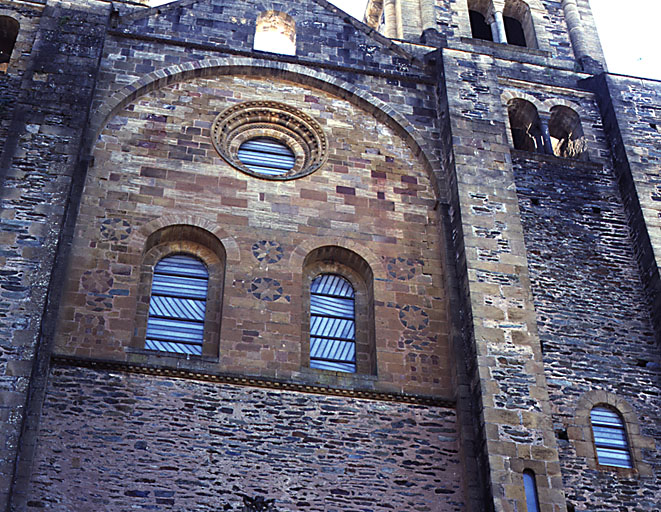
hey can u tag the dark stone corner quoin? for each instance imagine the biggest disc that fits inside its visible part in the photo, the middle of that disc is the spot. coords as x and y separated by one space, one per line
408 262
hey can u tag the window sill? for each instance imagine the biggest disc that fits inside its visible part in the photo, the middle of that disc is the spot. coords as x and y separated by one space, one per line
172 359
519 154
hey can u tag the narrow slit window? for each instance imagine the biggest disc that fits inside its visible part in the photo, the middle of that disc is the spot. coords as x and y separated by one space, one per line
177 305
332 324
266 156
610 438
530 486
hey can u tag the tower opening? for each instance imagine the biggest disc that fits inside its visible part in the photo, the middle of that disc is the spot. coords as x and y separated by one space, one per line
275 32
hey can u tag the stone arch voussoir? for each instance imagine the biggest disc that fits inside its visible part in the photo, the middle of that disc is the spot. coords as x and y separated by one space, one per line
140 236
262 68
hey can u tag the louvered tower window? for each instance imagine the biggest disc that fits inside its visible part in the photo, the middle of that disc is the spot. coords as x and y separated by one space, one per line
177 305
332 324
610 438
268 156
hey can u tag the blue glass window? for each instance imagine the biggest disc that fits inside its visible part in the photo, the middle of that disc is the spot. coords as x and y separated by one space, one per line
267 156
532 501
332 324
610 438
177 305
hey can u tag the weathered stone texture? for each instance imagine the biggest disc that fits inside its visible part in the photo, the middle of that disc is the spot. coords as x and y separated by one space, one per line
593 318
165 444
371 197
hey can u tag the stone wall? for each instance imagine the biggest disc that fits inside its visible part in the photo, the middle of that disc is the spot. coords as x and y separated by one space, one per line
593 320
39 159
115 441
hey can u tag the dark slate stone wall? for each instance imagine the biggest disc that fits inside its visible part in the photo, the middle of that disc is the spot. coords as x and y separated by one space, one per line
116 441
593 319
38 162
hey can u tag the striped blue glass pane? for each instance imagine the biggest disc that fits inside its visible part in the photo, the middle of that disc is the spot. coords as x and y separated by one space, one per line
610 438
332 324
266 156
532 502
177 305
333 285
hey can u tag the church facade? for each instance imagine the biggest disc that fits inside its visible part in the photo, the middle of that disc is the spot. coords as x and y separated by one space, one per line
260 255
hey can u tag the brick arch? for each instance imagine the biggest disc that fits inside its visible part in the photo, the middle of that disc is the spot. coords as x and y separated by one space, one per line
580 430
140 236
261 68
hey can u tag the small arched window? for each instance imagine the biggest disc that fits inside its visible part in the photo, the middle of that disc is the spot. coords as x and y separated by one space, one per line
332 324
275 32
519 27
8 33
530 486
480 29
525 125
566 133
177 305
610 437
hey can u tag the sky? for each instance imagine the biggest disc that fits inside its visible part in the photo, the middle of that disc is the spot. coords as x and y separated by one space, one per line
628 30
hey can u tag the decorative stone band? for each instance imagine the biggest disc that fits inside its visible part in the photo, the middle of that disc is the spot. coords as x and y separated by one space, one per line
257 382
268 119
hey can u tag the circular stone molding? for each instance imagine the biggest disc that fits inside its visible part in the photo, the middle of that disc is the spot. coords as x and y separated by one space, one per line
258 119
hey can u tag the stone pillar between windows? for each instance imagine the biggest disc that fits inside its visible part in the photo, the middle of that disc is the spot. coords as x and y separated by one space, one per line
390 17
497 24
546 134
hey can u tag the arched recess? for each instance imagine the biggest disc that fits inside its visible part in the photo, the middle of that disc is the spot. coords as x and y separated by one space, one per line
350 266
580 432
566 133
275 32
422 149
9 28
525 125
194 242
519 25
478 13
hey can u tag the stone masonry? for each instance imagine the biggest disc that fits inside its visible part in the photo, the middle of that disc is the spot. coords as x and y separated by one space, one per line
502 291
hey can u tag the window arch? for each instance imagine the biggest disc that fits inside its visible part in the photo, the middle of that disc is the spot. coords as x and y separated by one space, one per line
180 292
610 437
566 133
338 298
177 305
525 125
275 32
519 27
8 33
478 13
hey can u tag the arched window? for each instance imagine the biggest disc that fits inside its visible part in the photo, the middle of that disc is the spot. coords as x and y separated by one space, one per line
478 13
610 437
525 125
480 29
275 32
519 27
566 133
338 317
332 324
177 305
8 34
530 486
